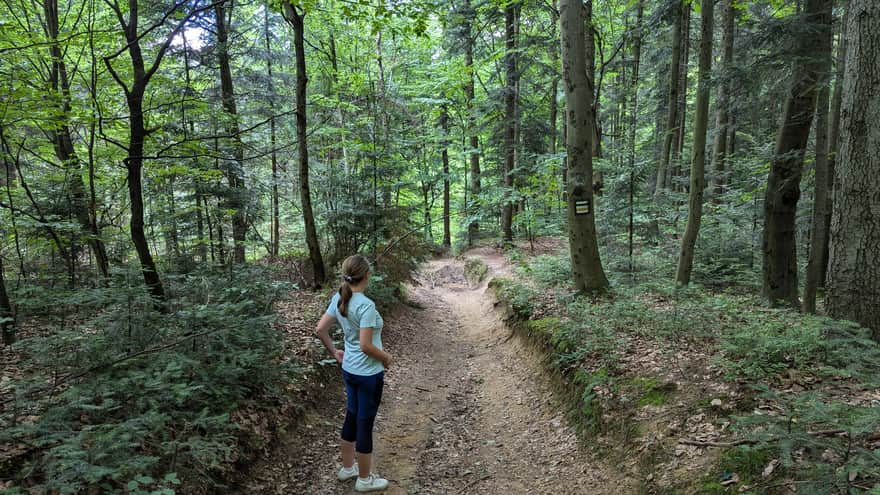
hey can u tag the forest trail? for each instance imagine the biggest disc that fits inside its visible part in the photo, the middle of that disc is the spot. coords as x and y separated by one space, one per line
466 408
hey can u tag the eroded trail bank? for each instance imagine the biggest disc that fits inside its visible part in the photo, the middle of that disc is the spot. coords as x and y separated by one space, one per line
467 409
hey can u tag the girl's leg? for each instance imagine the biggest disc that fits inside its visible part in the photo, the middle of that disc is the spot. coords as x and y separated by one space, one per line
369 395
349 427
347 454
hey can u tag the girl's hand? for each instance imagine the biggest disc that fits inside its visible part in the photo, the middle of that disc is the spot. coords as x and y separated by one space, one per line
387 361
339 354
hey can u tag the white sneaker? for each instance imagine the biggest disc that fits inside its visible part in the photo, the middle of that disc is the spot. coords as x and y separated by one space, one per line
371 483
346 474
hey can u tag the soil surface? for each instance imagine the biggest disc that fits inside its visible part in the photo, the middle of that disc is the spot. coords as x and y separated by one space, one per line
466 408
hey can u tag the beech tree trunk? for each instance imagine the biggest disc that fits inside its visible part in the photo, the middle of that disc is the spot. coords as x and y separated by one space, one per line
698 162
854 270
722 120
234 168
296 19
510 115
672 101
585 261
780 272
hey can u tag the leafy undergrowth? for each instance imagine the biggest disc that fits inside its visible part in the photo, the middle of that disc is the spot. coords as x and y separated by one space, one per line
696 391
105 394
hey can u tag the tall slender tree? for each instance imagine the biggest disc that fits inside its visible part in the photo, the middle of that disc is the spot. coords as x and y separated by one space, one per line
780 272
444 155
698 161
62 138
854 270
138 132
633 122
585 261
511 16
273 155
467 37
824 177
722 115
235 167
295 15
672 100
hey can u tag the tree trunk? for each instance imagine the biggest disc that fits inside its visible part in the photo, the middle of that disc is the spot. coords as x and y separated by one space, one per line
822 188
137 134
296 20
698 162
854 271
590 34
779 245
7 321
234 168
585 261
633 122
473 225
672 100
834 133
444 125
510 115
676 174
276 216
62 140
722 120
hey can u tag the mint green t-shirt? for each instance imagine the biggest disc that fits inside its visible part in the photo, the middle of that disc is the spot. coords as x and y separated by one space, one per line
362 313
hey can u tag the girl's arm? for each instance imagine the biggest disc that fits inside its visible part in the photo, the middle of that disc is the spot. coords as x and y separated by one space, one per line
367 347
323 331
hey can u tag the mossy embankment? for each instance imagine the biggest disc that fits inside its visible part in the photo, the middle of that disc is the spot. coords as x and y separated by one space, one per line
691 391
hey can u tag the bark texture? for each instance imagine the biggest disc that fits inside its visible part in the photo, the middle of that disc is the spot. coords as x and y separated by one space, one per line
821 192
585 261
510 115
854 270
698 162
780 270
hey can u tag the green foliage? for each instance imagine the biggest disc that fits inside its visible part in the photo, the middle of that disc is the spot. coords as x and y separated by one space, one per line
548 270
765 342
746 461
145 397
817 440
519 296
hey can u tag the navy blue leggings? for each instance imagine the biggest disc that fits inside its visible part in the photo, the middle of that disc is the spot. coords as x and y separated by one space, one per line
364 394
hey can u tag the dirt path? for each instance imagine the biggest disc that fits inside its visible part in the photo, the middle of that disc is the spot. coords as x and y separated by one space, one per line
465 409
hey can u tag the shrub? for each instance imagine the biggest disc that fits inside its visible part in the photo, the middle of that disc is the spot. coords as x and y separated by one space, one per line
130 399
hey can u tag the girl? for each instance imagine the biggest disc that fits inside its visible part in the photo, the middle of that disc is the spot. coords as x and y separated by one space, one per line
363 368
